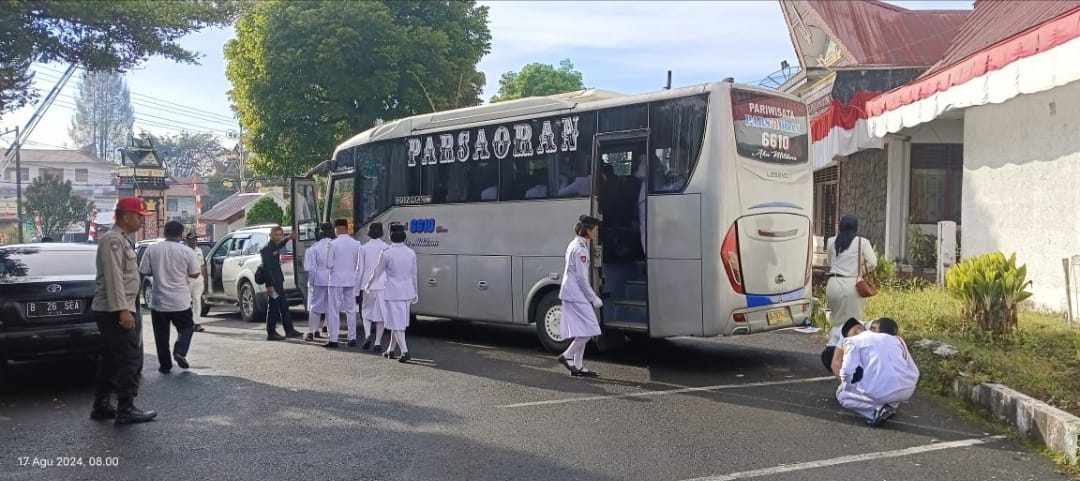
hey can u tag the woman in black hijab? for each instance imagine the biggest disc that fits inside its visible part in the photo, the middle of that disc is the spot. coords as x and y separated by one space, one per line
845 251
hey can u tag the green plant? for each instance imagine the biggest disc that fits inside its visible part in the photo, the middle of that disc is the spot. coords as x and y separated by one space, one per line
922 247
885 272
264 211
989 287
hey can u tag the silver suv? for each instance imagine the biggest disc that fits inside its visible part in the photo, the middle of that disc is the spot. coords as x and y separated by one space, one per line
231 266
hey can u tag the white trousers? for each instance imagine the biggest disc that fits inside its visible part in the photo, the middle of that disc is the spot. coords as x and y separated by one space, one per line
341 300
196 299
866 406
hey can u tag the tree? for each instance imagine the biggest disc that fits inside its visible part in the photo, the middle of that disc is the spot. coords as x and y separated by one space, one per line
109 36
188 154
376 60
264 211
50 196
103 113
537 79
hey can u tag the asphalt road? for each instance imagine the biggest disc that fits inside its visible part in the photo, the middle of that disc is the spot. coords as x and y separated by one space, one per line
486 403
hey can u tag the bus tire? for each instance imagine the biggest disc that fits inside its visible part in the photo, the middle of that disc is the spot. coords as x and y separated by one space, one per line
546 316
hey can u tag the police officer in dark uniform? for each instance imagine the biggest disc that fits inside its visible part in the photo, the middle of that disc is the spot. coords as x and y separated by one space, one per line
278 306
115 308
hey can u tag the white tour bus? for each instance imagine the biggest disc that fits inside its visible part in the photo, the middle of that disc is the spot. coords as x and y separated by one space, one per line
489 196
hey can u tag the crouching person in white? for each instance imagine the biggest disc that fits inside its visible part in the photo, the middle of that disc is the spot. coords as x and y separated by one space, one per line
889 373
398 264
578 318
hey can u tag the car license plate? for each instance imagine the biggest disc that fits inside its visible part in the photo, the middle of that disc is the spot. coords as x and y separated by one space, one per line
778 316
53 308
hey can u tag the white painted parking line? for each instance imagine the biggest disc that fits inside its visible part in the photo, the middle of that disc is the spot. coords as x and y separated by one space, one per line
855 458
666 392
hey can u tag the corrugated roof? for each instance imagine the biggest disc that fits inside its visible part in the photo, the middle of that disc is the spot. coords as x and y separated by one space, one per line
57 155
996 21
879 34
230 205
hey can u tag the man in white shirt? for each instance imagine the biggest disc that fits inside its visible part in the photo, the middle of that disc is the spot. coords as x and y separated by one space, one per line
196 284
889 373
171 264
346 266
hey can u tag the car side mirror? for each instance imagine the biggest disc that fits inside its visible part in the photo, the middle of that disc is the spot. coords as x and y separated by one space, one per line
234 253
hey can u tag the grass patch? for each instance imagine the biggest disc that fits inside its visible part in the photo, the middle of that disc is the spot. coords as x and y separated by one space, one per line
1042 359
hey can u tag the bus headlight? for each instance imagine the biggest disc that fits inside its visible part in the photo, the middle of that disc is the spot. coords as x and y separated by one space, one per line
729 254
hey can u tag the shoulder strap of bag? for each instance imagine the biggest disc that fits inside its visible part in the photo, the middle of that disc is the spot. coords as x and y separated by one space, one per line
859 260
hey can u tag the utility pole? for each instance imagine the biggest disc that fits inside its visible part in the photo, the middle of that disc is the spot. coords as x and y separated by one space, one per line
16 146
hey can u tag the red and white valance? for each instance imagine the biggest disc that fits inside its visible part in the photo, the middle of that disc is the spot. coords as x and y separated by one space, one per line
1034 61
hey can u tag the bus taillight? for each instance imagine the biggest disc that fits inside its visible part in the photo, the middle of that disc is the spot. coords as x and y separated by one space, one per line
729 253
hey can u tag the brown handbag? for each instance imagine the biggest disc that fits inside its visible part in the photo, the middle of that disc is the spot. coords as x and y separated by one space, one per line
865 287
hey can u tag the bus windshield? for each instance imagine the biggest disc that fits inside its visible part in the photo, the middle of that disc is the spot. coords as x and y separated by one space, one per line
770 128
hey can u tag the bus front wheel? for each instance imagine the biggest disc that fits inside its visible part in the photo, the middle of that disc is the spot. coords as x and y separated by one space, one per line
547 318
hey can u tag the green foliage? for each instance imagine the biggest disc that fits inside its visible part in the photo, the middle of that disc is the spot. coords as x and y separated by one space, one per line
264 211
109 36
537 79
885 272
50 196
189 154
287 219
990 287
922 247
307 75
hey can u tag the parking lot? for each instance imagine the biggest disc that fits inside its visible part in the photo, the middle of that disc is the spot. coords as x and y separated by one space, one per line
484 402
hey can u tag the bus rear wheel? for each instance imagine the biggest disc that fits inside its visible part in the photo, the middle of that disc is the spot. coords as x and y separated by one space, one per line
547 317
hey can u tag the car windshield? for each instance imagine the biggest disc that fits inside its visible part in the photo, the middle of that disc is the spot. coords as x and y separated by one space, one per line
31 261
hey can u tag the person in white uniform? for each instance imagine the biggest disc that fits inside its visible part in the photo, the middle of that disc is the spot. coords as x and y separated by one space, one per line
346 265
889 373
317 266
398 264
372 304
579 301
847 251
196 285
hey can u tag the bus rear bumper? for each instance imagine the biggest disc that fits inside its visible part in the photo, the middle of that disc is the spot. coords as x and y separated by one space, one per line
769 318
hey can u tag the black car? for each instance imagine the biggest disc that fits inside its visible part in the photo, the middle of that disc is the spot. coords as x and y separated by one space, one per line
45 295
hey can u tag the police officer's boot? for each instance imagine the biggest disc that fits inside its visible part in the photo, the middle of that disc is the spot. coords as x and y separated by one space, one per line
127 413
102 408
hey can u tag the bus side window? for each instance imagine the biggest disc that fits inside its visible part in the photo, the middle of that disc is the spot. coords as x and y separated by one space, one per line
572 171
676 130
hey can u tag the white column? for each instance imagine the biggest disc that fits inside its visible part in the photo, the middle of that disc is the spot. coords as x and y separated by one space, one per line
896 207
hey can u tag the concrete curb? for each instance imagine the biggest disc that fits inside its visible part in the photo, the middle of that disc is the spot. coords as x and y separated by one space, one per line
1038 421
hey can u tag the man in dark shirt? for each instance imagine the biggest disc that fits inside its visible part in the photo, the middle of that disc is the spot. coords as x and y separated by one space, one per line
277 305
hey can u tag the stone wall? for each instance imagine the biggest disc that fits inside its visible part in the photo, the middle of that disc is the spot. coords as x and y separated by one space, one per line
863 177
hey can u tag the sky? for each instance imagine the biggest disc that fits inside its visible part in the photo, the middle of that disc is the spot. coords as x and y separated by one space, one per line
626 47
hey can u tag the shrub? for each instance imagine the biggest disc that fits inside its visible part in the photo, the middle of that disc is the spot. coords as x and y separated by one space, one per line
885 272
989 287
922 248
264 211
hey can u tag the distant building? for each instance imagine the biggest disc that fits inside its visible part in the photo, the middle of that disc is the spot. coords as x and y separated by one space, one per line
231 213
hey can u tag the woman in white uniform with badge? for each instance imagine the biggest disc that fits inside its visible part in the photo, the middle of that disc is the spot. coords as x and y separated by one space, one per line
579 301
398 263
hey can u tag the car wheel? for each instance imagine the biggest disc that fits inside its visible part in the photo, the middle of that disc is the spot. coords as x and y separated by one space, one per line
249 305
547 317
147 293
204 308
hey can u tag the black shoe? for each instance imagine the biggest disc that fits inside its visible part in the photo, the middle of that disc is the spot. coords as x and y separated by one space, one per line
566 362
324 329
316 335
181 361
294 333
352 342
376 348
367 344
273 336
331 344
165 369
404 357
585 373
389 355
883 414
129 414
309 337
102 410
199 328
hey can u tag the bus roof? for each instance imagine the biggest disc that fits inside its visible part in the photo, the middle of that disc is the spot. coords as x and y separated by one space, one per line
526 107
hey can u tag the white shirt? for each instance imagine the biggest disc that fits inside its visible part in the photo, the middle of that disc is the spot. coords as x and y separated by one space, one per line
346 263
398 264
200 259
316 263
170 263
888 367
372 249
575 280
846 263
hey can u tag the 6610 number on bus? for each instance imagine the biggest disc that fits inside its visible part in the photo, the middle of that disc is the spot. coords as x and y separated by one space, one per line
775 141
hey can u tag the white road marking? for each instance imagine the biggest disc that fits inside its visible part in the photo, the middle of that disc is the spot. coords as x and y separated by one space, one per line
666 392
855 458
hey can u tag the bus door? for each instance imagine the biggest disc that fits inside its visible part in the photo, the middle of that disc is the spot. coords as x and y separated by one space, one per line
619 268
305 222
